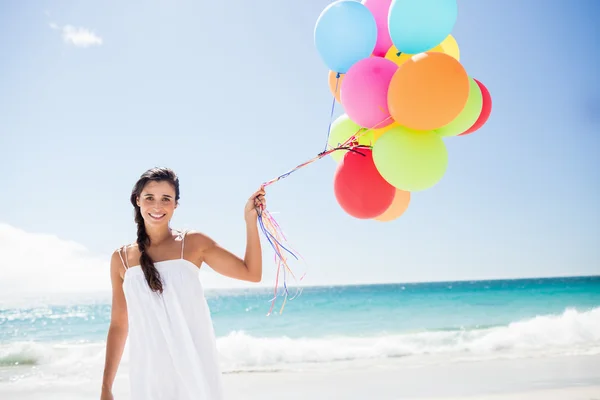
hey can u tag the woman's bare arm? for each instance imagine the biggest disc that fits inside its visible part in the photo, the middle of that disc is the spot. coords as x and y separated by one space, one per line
226 263
119 328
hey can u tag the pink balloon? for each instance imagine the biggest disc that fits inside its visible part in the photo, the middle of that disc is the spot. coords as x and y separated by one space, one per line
364 92
380 10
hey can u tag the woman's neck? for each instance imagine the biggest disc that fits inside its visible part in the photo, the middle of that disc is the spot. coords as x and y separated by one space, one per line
158 234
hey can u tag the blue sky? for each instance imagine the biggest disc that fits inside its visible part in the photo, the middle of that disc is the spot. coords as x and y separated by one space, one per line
231 94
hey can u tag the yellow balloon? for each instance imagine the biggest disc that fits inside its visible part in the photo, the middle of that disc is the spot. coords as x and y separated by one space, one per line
448 46
376 133
392 55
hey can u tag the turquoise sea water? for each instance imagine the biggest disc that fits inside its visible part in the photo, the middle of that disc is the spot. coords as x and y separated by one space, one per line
495 318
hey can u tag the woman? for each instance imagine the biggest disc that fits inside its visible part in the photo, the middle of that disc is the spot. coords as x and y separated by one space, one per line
158 300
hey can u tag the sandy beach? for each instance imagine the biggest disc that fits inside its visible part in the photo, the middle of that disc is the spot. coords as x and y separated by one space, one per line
298 388
548 378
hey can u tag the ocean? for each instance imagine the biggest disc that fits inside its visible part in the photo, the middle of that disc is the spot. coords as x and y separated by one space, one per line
47 341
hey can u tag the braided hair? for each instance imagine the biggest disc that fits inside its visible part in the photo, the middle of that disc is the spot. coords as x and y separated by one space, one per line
143 240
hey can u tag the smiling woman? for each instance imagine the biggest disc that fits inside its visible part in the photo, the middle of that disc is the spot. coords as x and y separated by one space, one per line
158 300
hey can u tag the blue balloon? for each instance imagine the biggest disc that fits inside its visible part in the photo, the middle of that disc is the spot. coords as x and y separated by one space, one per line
345 33
419 25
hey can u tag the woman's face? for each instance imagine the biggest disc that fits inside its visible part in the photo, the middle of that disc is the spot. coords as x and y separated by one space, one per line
157 202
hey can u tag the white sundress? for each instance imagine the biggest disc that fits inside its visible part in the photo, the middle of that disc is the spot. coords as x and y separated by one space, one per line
172 348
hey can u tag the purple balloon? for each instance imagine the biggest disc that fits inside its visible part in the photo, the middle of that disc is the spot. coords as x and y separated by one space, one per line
364 92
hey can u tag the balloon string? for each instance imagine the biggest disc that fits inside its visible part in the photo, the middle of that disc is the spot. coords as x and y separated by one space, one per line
347 145
275 236
337 81
273 232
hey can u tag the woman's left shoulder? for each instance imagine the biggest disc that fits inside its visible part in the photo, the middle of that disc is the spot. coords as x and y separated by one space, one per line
197 239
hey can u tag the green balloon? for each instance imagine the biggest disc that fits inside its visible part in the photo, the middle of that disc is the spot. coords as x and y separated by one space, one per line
410 160
341 130
468 115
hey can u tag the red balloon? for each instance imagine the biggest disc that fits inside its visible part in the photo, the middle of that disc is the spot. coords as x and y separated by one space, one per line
359 188
486 109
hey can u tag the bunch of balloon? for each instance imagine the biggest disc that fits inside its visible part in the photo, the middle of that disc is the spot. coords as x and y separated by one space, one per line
394 68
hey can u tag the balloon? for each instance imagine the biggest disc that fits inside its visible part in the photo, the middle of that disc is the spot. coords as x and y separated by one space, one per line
341 130
486 109
345 32
397 208
365 92
410 160
448 46
376 133
428 91
380 9
334 83
416 26
467 116
359 188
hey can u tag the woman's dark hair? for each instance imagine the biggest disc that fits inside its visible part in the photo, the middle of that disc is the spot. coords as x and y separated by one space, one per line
143 240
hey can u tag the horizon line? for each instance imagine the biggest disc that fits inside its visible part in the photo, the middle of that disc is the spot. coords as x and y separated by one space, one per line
377 283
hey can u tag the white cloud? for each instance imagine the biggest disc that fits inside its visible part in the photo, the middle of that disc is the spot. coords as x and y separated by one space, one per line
77 36
43 263
35 264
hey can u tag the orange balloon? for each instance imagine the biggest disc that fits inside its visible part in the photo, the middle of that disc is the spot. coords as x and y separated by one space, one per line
428 91
333 81
397 208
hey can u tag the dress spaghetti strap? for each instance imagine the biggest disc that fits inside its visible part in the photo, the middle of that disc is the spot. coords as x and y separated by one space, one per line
124 261
183 242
